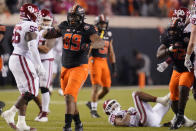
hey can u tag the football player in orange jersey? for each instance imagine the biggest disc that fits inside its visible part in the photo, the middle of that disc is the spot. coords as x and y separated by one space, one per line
99 70
77 38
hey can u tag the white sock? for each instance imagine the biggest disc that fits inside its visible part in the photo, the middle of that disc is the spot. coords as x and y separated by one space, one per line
21 119
14 109
94 106
45 101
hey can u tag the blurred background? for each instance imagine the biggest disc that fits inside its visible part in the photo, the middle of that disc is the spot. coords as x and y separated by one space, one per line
136 26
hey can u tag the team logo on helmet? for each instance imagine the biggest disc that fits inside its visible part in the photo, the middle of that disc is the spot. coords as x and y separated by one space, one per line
29 12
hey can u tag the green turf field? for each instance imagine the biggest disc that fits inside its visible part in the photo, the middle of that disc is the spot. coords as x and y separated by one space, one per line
57 107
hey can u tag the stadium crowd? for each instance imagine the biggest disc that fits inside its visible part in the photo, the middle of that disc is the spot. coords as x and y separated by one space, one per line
159 8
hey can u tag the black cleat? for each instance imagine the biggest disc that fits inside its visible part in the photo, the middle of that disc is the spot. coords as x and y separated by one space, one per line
67 128
94 114
79 127
88 104
178 123
167 124
2 104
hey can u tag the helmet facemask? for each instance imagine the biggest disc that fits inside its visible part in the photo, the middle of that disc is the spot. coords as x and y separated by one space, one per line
111 107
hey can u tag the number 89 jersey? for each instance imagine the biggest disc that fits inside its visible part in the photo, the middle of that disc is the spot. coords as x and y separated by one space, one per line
76 43
18 38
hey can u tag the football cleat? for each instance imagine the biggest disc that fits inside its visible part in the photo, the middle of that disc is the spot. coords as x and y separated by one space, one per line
2 105
179 122
79 127
67 128
43 117
88 104
94 114
9 118
24 127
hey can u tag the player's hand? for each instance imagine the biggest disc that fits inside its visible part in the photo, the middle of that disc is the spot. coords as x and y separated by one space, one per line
162 66
41 71
188 63
131 110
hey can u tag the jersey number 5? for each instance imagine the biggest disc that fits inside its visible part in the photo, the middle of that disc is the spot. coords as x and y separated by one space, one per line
72 42
16 34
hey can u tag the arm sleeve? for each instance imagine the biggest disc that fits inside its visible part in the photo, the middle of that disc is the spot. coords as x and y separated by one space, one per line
90 29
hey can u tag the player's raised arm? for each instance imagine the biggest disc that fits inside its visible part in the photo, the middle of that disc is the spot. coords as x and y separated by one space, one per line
97 42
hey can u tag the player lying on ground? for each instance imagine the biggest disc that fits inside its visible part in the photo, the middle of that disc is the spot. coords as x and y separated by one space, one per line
140 115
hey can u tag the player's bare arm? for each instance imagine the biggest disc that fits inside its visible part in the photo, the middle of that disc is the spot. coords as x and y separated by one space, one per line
123 121
112 56
30 36
192 40
97 42
162 51
50 43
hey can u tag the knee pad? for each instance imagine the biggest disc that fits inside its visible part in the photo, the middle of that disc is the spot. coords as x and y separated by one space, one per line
28 97
44 90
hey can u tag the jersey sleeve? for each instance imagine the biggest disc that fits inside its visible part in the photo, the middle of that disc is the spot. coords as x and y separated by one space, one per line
90 29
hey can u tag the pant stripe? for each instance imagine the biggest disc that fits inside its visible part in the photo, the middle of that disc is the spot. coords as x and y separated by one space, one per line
32 78
25 73
141 109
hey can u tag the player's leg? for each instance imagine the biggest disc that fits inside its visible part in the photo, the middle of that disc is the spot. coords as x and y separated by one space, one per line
37 100
76 118
27 83
148 116
185 82
106 81
95 75
76 78
44 86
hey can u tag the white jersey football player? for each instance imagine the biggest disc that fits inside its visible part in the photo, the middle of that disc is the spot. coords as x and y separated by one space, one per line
22 66
140 115
47 58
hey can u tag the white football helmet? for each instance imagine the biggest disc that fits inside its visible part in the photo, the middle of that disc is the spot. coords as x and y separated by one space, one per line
46 19
111 106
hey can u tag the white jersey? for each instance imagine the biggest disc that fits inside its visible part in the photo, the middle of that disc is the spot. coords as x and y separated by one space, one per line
44 56
134 117
19 42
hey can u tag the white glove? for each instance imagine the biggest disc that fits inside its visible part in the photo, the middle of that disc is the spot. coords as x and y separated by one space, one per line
131 110
162 66
188 63
40 70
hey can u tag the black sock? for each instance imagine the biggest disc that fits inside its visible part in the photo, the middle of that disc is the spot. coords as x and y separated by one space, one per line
68 120
76 118
174 106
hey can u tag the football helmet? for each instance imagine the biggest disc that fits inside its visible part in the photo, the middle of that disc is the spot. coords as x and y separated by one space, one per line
179 15
46 19
101 22
75 16
29 12
110 106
